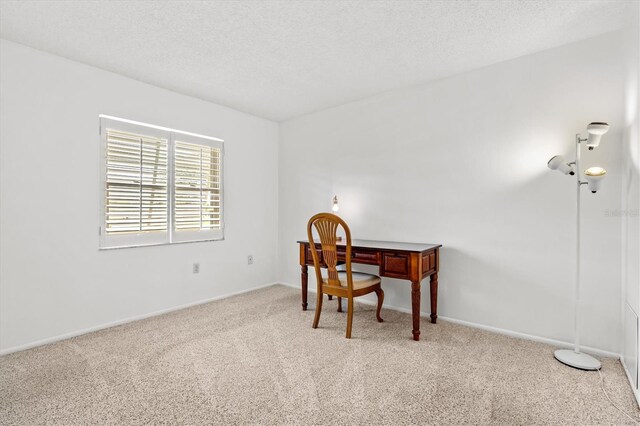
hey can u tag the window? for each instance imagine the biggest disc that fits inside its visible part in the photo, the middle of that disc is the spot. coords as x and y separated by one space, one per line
159 185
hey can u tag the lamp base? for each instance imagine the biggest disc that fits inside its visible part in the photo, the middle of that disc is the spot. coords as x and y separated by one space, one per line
578 360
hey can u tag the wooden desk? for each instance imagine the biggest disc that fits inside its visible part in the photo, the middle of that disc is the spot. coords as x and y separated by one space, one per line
407 261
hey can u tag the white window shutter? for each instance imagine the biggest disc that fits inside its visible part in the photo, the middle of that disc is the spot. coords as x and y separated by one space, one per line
197 204
136 184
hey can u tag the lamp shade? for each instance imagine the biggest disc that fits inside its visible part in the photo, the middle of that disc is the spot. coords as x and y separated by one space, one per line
596 130
557 162
594 176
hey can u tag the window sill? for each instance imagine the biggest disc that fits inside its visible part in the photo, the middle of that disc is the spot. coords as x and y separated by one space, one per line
159 244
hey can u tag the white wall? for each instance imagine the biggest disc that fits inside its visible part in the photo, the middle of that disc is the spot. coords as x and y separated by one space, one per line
53 279
462 162
630 203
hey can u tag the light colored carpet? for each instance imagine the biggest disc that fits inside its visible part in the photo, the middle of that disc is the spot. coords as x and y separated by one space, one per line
254 359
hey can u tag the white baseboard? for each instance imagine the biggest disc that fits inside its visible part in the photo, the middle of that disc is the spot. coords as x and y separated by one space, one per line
631 381
65 336
557 343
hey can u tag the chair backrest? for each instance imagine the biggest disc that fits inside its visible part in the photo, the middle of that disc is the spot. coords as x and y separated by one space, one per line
326 225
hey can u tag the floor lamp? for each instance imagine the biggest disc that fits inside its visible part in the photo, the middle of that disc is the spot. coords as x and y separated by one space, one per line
594 177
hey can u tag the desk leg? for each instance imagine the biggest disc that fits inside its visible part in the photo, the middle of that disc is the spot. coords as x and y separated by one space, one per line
304 278
415 309
434 297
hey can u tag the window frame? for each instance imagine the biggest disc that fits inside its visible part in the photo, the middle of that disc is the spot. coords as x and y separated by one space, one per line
170 236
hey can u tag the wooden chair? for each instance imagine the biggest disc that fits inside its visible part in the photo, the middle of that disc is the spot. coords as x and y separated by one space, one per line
343 284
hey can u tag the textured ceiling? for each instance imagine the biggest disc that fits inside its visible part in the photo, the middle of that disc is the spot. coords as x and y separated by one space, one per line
281 59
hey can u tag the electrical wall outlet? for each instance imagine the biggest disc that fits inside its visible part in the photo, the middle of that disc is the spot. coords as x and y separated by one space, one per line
250 259
196 268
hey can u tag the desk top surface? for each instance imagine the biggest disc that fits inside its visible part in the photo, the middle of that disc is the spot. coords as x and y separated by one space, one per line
386 245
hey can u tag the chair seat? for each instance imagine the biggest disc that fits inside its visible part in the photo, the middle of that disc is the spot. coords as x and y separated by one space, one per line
360 280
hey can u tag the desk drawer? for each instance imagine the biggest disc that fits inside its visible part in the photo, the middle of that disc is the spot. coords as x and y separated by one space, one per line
357 256
309 256
360 256
364 256
395 265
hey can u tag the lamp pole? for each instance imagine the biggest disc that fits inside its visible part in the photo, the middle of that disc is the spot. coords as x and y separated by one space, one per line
576 332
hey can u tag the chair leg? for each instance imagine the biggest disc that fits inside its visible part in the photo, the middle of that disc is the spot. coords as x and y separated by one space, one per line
380 294
316 319
339 304
349 316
